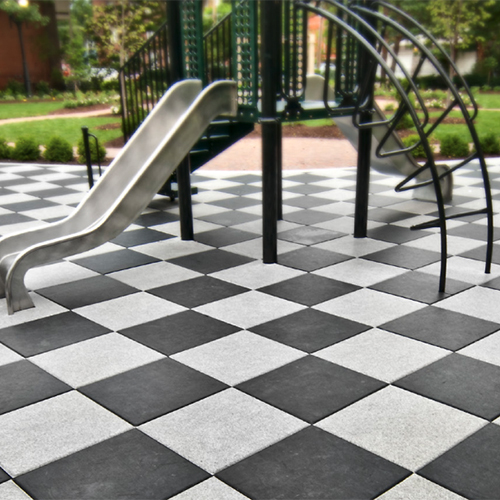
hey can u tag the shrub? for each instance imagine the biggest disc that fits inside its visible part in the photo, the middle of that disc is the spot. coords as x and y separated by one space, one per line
16 88
58 150
454 146
5 150
26 149
490 144
94 156
405 122
42 88
389 107
410 140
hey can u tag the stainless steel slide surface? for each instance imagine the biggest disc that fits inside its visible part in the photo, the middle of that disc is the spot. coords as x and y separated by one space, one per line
128 185
403 164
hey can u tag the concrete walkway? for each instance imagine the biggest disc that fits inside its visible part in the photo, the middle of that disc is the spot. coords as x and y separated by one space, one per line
83 114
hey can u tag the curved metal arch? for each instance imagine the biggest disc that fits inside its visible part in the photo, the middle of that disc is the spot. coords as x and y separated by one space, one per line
407 103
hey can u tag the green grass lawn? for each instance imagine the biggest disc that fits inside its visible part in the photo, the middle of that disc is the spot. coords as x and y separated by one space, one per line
25 109
488 101
67 128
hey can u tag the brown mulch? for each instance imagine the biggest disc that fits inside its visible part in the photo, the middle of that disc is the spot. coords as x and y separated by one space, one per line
82 109
109 126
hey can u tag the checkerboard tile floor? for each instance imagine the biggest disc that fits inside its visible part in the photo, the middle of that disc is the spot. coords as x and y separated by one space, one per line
156 368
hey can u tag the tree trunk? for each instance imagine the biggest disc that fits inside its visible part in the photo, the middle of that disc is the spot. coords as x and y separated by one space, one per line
26 73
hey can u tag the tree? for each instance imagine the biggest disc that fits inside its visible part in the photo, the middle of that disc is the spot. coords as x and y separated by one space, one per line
19 14
459 22
119 28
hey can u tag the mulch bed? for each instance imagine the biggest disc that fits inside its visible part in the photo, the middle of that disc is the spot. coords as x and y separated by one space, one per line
82 109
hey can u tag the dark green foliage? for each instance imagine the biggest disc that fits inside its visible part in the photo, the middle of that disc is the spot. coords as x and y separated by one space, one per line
419 151
58 150
454 146
16 88
42 88
5 149
490 144
26 149
94 155
404 122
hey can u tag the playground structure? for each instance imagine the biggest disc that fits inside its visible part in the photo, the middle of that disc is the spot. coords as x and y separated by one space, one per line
259 51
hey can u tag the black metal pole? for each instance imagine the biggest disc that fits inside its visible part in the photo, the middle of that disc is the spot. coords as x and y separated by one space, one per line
27 83
88 157
176 71
270 36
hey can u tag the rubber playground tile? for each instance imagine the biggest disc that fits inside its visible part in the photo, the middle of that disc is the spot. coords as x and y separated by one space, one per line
395 234
309 289
179 332
307 201
471 230
229 218
140 237
440 327
459 381
155 218
198 291
311 388
98 471
308 235
224 236
306 188
152 390
311 258
388 215
14 218
50 333
242 189
420 286
87 291
210 261
309 217
236 202
309 330
326 467
115 261
23 383
307 177
3 476
470 469
25 206
404 256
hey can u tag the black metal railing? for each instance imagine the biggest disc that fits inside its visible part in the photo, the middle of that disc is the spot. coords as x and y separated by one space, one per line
144 78
218 53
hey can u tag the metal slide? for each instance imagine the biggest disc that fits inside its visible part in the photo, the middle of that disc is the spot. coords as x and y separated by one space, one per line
403 164
123 192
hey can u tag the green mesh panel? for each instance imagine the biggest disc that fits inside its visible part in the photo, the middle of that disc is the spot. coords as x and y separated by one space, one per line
192 38
294 55
245 42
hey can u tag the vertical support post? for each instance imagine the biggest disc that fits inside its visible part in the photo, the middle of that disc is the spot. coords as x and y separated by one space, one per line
270 67
176 72
364 145
88 158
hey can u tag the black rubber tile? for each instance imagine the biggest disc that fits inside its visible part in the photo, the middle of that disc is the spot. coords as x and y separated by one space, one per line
472 231
309 289
152 390
179 332
236 203
387 215
396 234
494 283
52 193
229 218
311 258
307 201
307 178
441 327
24 206
308 235
6 219
309 330
130 465
404 256
50 333
243 178
480 254
309 217
4 476
211 261
459 381
242 189
155 218
22 383
115 261
326 467
307 189
87 291
198 291
420 286
18 181
224 236
470 469
140 237
311 388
